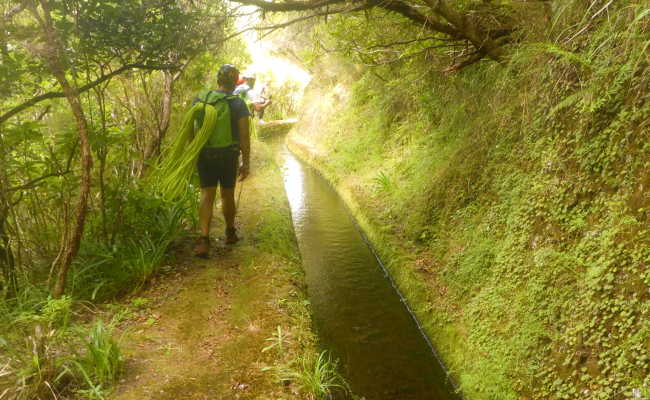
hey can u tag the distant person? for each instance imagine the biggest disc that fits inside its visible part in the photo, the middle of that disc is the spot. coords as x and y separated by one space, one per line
242 90
218 162
257 100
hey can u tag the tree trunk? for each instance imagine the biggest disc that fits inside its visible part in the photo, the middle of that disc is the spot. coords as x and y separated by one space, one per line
102 154
7 261
163 119
468 29
166 112
54 55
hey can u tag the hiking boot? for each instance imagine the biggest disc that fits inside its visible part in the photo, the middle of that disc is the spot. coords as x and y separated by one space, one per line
202 248
231 236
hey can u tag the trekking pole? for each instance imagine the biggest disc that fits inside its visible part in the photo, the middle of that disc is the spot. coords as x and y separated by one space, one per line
241 188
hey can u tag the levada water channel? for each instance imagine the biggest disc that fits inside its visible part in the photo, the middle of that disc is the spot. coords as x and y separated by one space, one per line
358 314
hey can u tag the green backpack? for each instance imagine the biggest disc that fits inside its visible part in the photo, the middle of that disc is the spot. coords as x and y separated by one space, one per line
222 131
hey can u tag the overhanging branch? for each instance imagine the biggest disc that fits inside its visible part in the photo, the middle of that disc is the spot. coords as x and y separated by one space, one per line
404 42
406 10
317 14
34 182
290 5
472 59
54 95
441 18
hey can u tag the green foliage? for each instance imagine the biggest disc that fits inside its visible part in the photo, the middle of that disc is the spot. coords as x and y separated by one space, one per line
520 195
382 182
285 98
139 302
317 377
133 256
42 371
53 313
138 30
46 360
129 230
278 341
101 363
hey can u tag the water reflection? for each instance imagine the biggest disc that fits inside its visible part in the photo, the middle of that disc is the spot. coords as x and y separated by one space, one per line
357 313
293 185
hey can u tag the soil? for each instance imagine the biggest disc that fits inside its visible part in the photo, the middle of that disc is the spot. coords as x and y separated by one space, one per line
200 331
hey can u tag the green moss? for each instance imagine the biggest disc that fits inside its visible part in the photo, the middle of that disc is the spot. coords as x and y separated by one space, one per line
511 207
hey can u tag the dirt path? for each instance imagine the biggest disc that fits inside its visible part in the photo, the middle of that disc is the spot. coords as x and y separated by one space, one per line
201 330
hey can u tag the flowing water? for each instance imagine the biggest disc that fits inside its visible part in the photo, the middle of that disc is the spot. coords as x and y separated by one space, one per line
358 314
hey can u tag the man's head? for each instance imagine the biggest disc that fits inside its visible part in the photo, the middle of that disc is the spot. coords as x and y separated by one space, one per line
249 78
227 77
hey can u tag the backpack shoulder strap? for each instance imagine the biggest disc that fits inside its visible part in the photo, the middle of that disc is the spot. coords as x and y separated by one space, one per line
212 96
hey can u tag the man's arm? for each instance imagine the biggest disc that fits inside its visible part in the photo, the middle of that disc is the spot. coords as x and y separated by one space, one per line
245 146
259 106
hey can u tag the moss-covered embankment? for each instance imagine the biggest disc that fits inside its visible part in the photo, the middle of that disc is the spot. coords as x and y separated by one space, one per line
511 205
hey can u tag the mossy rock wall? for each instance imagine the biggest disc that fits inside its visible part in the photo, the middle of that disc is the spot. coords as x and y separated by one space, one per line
512 205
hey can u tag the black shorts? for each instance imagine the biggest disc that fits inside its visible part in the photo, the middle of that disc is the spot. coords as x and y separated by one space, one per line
218 166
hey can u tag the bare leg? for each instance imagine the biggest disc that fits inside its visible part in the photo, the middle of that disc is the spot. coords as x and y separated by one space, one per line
205 209
228 206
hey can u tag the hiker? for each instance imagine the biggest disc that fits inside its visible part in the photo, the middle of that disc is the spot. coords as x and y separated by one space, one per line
257 101
242 90
218 162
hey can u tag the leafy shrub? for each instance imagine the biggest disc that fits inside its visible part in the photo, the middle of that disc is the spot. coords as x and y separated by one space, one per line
145 228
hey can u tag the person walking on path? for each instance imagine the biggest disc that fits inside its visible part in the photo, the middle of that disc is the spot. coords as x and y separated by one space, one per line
256 100
218 162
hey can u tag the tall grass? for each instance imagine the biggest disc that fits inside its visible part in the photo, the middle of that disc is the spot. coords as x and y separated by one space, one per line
101 363
278 341
48 364
136 250
317 377
43 352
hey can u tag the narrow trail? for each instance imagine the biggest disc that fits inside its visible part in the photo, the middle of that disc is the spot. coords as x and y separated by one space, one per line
203 326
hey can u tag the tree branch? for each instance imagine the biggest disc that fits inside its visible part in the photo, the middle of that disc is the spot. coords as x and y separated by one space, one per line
289 5
31 184
414 15
54 95
467 29
181 69
317 14
473 58
400 58
403 42
444 19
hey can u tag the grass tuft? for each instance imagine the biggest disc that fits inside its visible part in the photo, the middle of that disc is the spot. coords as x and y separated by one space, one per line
317 377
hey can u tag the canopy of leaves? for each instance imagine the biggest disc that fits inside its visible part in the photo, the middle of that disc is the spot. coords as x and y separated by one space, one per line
101 36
